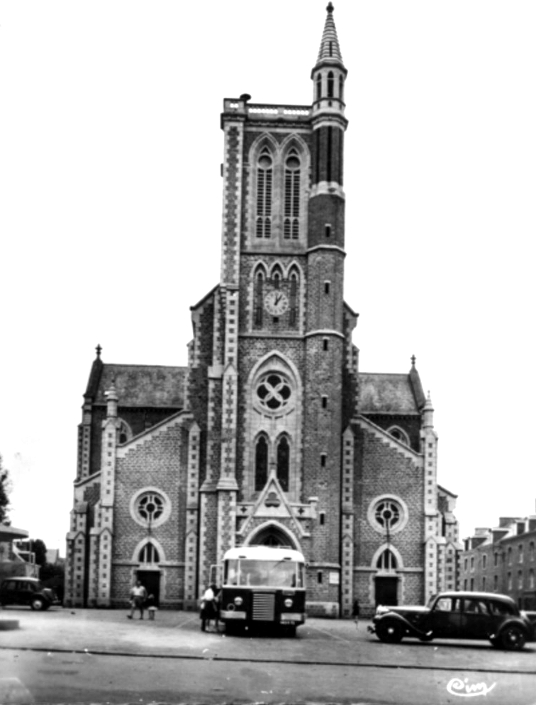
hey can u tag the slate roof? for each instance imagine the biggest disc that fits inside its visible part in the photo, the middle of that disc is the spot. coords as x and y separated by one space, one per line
138 385
383 393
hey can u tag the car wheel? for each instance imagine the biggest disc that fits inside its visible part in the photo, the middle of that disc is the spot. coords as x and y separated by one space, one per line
513 638
389 631
37 603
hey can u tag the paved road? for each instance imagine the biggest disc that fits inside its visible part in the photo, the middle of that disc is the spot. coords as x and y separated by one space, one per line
97 656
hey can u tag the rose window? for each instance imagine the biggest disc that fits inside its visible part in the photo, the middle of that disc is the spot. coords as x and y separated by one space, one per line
273 392
387 514
150 507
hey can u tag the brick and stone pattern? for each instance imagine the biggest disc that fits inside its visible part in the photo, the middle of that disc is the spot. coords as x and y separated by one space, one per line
208 548
199 452
158 461
192 522
385 468
347 524
232 203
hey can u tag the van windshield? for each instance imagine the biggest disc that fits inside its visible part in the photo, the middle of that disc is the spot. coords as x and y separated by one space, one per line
248 572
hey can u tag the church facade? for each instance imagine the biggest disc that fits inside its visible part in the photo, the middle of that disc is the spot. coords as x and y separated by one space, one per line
271 434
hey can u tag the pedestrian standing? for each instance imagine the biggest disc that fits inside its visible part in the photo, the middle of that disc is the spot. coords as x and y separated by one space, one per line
138 595
209 608
355 612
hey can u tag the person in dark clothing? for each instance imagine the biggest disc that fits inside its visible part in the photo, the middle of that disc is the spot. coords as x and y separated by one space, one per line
355 612
209 608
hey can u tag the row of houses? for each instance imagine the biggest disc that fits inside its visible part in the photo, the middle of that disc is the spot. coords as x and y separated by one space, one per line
503 560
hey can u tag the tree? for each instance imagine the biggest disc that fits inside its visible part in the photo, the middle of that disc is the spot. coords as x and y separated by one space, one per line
4 494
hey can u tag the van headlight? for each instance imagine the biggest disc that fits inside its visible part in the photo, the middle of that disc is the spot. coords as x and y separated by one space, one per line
288 602
238 601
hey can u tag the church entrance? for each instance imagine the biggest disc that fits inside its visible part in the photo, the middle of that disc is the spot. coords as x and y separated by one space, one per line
150 579
386 591
272 536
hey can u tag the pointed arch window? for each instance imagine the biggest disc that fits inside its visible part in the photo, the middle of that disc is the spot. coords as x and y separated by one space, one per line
293 300
276 278
124 433
387 561
264 194
259 292
261 463
149 554
341 88
330 84
318 86
291 224
399 434
283 457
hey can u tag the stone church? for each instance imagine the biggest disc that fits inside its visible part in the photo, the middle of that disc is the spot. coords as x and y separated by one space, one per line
271 435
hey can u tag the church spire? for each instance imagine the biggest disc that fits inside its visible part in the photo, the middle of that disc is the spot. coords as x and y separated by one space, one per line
329 73
330 51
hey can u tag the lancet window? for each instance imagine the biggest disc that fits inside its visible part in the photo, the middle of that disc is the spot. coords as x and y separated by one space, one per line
283 456
291 225
330 84
264 194
259 293
149 554
293 300
261 463
386 561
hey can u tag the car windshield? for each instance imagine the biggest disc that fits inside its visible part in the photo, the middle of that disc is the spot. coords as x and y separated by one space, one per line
283 573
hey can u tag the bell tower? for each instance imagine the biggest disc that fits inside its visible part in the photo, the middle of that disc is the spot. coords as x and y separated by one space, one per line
324 333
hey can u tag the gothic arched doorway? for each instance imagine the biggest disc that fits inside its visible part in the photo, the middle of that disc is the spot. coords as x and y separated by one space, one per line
272 536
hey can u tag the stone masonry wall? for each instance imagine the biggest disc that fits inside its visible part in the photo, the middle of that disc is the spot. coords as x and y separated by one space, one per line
160 463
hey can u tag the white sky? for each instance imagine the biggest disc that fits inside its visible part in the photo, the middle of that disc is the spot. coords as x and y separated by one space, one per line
110 208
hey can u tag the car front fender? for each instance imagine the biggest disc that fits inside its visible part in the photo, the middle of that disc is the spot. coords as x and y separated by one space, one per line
409 628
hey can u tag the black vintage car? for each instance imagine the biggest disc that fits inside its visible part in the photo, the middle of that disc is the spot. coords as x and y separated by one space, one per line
457 615
27 591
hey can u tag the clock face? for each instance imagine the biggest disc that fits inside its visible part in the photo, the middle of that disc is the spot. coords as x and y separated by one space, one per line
276 302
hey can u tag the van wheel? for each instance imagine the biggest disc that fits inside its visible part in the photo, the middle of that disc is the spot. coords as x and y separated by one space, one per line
37 603
390 632
513 638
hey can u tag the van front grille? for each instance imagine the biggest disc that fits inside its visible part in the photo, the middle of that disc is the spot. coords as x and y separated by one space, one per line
263 607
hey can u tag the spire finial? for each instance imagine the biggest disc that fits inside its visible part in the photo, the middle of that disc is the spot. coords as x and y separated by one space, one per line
98 350
413 360
330 50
